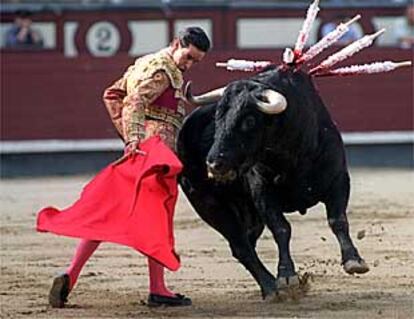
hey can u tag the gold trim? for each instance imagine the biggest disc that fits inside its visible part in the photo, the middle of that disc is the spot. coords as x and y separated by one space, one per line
160 114
145 67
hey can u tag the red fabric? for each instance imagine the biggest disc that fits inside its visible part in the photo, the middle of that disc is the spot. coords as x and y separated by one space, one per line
130 203
167 99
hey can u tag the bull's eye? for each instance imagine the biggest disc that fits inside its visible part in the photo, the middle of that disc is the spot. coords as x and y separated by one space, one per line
248 123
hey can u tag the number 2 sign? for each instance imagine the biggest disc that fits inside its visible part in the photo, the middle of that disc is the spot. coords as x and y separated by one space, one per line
100 39
103 39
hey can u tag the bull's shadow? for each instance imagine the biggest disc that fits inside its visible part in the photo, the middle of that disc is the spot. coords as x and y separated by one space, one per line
267 147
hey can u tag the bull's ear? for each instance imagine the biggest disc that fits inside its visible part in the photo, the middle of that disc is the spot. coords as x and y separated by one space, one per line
270 102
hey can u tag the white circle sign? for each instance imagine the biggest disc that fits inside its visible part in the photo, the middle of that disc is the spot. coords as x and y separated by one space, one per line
103 39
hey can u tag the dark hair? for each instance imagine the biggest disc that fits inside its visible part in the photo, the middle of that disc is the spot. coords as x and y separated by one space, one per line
24 14
195 36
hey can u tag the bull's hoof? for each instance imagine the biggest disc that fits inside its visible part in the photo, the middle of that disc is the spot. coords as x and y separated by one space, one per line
270 296
292 287
356 267
288 288
269 291
287 282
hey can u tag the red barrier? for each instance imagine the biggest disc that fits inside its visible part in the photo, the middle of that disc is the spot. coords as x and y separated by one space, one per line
47 96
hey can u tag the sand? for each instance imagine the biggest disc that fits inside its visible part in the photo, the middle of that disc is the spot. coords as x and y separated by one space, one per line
114 282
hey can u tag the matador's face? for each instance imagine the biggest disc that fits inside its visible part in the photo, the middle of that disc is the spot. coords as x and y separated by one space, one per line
185 57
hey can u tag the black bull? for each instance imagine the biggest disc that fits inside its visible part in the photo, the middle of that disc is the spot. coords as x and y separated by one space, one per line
243 169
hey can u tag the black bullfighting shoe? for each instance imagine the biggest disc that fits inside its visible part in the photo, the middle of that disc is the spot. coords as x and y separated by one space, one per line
59 292
176 301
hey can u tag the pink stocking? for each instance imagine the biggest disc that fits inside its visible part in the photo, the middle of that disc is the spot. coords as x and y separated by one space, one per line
84 251
156 279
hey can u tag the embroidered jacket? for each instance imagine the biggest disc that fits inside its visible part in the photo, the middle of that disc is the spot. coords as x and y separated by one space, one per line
146 101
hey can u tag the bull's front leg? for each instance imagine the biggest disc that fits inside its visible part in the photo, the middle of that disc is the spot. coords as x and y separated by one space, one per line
219 216
336 204
286 275
274 219
245 253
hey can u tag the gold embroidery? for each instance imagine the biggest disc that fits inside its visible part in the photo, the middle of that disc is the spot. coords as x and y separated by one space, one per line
142 84
146 66
158 113
166 131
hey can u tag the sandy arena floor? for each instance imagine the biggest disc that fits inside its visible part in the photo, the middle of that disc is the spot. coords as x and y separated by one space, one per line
114 282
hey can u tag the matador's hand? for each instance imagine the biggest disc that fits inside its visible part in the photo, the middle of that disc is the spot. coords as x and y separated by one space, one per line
132 148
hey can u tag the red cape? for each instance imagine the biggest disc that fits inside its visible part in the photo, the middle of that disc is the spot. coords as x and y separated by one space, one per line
130 203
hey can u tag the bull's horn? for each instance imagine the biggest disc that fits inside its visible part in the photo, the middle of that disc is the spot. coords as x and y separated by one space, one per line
206 98
272 102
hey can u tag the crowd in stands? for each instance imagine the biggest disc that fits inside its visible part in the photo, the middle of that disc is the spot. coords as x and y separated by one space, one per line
22 34
335 2
402 30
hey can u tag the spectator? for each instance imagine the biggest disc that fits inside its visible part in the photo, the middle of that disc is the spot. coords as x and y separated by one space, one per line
404 29
21 35
353 34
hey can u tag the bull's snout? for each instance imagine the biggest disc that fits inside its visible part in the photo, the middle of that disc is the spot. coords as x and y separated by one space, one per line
215 167
218 170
